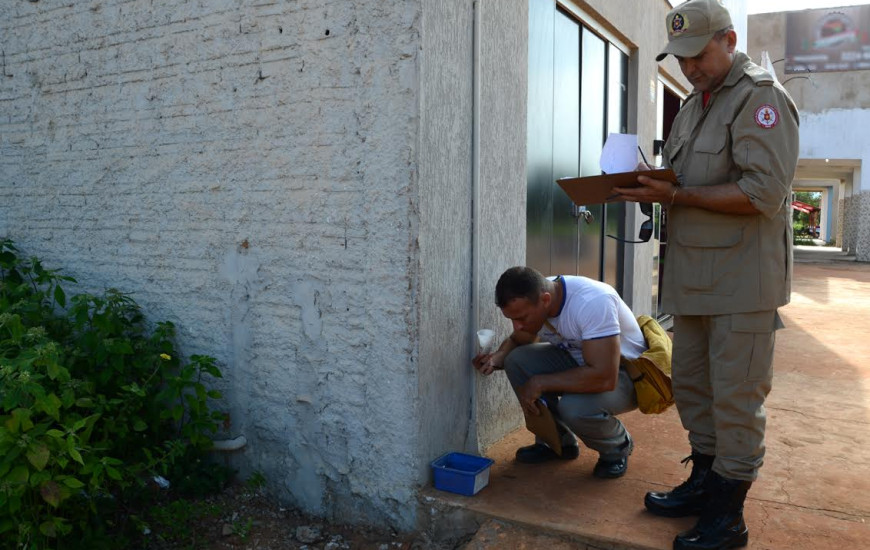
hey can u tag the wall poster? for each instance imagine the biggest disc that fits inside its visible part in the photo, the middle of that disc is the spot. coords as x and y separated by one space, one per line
829 39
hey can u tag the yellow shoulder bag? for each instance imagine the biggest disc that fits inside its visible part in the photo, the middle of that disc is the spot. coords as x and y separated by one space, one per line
651 372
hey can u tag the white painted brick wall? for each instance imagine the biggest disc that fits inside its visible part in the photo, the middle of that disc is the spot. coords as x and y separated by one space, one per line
246 170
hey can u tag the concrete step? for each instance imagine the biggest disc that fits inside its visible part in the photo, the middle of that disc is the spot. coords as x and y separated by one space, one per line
500 535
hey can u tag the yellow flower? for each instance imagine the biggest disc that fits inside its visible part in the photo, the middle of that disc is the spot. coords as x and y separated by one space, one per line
165 356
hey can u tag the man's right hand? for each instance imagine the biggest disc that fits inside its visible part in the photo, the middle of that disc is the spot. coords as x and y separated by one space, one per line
487 363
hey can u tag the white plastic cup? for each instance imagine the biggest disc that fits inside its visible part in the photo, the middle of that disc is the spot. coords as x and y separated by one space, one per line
485 338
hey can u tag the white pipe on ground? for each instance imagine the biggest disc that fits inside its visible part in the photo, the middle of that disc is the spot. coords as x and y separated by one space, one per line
226 445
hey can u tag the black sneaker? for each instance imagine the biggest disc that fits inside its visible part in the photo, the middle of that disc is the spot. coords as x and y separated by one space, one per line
610 469
537 453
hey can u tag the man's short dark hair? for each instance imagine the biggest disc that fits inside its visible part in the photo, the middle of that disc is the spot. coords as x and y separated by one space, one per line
519 282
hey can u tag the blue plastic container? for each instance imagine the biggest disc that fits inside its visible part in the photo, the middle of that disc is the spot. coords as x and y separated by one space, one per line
461 473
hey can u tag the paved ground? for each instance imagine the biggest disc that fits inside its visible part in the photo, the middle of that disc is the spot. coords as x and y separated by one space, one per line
814 490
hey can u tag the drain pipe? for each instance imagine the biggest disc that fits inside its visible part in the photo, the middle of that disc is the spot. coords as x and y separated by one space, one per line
471 442
227 445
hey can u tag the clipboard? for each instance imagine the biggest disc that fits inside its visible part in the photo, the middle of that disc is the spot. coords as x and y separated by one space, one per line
599 189
544 426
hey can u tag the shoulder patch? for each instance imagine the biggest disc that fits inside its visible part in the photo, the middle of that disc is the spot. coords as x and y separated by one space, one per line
766 116
758 75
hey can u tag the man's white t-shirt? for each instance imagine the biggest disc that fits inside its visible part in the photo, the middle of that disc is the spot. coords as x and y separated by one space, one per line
592 309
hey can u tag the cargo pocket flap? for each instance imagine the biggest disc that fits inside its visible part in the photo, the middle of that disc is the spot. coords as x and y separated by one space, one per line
757 321
711 143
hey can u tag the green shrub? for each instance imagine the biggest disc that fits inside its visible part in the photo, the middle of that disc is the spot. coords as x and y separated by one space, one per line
93 404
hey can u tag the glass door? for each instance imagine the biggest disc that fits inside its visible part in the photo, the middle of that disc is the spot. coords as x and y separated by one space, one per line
577 94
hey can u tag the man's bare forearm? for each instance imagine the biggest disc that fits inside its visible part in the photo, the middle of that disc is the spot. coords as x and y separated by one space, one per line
726 198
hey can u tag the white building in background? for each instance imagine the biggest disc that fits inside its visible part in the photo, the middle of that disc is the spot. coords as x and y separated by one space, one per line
822 57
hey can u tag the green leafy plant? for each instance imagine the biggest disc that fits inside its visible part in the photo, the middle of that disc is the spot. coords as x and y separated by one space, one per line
93 403
256 480
170 522
243 528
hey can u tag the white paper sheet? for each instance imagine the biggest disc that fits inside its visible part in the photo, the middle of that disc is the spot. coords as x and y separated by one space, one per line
619 153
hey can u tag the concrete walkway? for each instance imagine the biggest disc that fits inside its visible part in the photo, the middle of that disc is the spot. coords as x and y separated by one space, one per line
814 490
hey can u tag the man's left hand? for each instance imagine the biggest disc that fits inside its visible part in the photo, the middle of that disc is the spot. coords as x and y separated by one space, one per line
528 395
650 190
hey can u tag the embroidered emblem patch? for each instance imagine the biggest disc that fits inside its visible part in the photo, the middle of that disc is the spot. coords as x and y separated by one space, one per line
679 24
766 116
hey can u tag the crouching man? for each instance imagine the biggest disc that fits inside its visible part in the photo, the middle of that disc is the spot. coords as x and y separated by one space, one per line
570 336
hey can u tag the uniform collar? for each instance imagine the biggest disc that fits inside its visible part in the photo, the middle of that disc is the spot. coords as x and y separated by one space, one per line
737 70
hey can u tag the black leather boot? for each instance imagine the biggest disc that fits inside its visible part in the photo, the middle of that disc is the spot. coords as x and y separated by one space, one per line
721 524
686 499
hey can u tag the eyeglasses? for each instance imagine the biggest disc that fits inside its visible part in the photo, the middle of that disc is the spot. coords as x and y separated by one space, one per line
646 228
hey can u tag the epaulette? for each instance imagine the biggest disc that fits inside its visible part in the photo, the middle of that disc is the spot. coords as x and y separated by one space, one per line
758 75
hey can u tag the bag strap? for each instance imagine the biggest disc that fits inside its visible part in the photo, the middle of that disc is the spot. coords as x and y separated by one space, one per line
552 328
633 372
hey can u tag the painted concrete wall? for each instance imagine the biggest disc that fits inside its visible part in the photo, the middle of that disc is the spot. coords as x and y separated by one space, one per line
291 184
247 172
460 409
501 215
835 112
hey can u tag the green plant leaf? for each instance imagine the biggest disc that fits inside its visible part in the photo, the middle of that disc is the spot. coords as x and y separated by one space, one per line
73 483
67 398
57 434
18 476
19 420
7 259
53 369
75 455
13 424
113 473
38 455
140 426
50 492
121 347
59 296
48 528
37 478
50 405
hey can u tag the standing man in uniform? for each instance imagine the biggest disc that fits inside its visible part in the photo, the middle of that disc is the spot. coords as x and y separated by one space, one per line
734 147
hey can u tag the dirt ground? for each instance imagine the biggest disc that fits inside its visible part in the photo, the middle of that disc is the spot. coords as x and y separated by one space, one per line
244 518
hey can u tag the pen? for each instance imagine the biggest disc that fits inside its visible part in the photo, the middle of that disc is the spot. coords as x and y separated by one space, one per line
642 156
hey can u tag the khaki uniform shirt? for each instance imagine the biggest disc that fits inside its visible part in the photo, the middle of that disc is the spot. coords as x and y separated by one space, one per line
724 263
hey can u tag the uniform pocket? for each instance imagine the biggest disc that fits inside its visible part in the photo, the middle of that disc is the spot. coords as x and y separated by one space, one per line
711 143
759 330
711 159
757 321
711 259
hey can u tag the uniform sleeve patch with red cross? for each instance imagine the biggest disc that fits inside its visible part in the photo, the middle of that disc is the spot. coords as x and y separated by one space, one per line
766 116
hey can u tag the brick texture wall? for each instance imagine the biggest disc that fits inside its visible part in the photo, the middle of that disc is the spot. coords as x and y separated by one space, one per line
246 170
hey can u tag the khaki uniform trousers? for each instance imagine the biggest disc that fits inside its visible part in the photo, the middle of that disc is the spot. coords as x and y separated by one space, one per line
722 372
